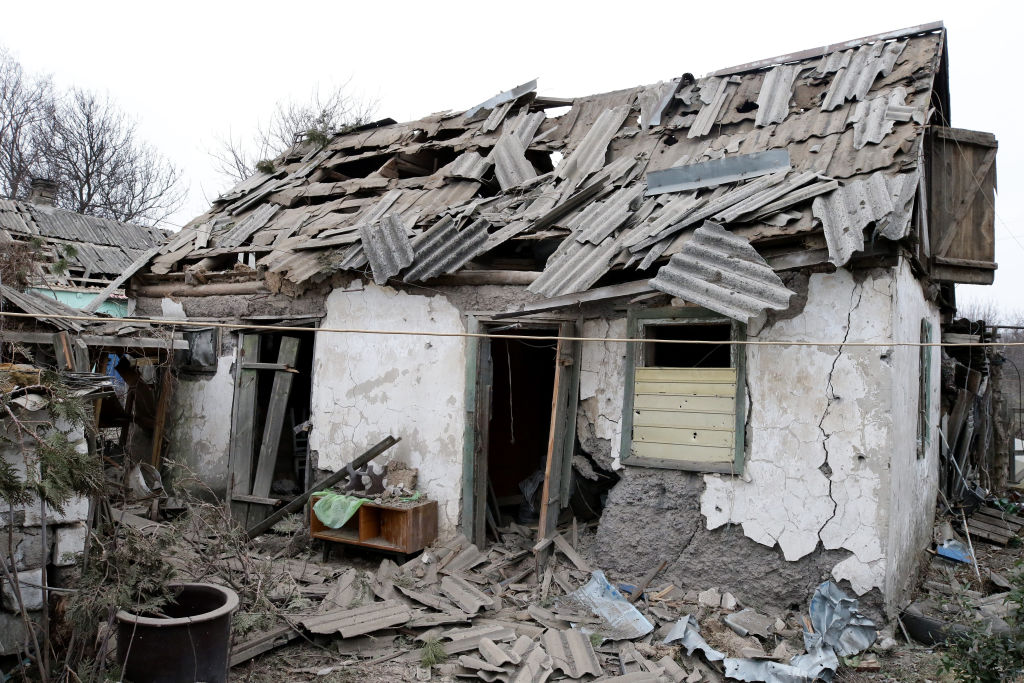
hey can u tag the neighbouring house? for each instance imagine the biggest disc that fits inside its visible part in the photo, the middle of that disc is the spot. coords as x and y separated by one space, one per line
735 228
77 255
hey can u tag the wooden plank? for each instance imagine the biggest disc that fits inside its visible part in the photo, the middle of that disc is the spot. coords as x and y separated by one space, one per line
663 451
95 340
569 427
162 406
687 375
570 553
242 498
261 643
685 389
481 476
975 523
62 350
971 137
681 419
296 503
685 438
566 300
138 263
287 355
550 506
699 404
243 420
268 366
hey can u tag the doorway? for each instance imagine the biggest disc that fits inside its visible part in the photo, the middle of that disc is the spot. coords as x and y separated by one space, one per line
520 421
524 429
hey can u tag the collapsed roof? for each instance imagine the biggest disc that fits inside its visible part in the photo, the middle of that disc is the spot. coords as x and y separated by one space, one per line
101 249
807 150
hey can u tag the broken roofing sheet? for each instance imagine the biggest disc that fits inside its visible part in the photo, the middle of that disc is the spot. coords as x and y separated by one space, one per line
598 189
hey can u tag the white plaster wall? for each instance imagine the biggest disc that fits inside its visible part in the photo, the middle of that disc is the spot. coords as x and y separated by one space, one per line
914 481
368 386
199 424
819 426
602 373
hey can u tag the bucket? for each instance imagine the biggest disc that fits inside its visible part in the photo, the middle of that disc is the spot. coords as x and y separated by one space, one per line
191 643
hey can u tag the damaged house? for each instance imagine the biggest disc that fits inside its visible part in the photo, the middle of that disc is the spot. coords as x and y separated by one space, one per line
633 303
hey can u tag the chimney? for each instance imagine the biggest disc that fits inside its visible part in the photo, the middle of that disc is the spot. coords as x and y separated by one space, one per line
43 191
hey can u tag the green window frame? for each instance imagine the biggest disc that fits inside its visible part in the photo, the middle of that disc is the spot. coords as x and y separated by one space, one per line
924 398
704 395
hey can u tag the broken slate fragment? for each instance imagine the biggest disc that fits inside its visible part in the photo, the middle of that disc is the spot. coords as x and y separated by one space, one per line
749 622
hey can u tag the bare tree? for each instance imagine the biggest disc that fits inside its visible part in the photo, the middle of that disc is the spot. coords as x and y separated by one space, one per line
84 143
318 117
26 106
101 167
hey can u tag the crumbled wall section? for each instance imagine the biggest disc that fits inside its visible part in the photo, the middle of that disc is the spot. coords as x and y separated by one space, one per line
368 386
819 431
199 422
602 373
654 515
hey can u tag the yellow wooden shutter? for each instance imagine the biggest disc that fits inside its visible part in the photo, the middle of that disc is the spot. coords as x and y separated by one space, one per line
685 414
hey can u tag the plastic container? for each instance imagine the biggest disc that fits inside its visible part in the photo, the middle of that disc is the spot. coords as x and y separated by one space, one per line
192 643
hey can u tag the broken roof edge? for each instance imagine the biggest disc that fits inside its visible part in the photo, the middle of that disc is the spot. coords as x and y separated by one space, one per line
828 49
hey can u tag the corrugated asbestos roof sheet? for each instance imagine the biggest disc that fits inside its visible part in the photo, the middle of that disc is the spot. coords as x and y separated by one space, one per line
356 622
572 652
30 302
101 247
724 273
616 181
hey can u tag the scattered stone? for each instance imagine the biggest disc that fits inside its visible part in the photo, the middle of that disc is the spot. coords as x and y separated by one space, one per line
31 594
711 598
749 622
729 601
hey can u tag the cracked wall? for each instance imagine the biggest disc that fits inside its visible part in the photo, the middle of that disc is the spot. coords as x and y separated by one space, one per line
824 425
199 423
602 372
368 386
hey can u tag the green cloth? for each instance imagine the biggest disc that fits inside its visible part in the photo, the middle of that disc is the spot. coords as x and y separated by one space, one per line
334 509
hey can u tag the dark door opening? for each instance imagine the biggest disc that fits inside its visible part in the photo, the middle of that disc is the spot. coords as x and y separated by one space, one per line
520 422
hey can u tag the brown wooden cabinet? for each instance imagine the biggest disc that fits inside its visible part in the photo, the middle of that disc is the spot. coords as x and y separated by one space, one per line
401 529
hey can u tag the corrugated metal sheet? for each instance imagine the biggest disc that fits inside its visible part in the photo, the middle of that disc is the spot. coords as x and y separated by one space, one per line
776 92
760 199
29 302
386 246
244 229
589 156
468 598
355 622
857 72
724 273
75 227
506 96
571 652
600 219
902 189
717 171
575 268
715 205
470 165
445 249
845 213
510 165
871 119
712 108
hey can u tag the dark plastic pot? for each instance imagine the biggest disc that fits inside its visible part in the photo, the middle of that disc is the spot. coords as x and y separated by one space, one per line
191 643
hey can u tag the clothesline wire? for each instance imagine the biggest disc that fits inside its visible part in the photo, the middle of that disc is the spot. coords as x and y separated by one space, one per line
487 335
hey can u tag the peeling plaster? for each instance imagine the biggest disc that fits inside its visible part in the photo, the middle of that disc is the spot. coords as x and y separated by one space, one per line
820 430
602 373
368 386
200 423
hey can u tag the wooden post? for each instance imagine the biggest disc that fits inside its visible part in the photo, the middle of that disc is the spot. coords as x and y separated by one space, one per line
296 503
161 416
279 393
243 419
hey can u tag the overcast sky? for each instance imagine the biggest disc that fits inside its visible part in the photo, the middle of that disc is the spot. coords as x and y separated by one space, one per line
192 71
